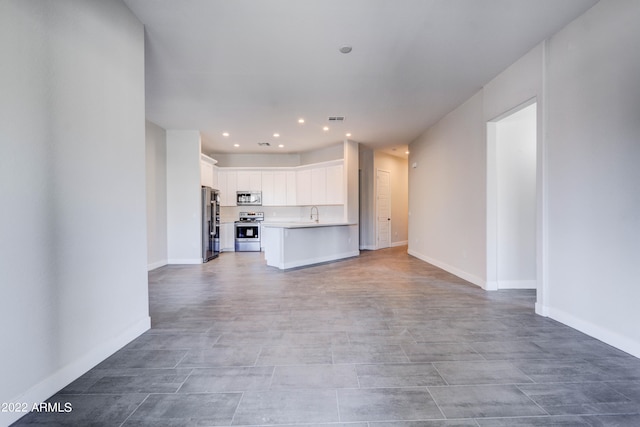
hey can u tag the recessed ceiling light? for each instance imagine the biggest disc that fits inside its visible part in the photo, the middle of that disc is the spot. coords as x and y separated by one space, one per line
346 49
281 145
348 135
225 133
406 152
276 135
301 121
326 128
236 145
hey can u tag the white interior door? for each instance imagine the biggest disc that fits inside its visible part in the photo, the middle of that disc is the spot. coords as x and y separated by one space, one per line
383 209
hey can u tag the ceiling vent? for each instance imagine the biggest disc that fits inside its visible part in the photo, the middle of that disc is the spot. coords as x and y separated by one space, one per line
336 118
264 144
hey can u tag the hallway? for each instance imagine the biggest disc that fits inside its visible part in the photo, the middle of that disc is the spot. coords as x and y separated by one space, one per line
380 339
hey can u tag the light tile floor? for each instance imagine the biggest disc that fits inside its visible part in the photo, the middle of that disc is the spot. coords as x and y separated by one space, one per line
380 340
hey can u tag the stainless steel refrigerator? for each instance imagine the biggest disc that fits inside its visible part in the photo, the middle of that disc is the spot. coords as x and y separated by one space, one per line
210 223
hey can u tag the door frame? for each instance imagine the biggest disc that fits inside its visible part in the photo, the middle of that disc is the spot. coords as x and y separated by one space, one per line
541 205
376 209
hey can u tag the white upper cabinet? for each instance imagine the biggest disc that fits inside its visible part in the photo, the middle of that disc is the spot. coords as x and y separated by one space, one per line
214 183
318 186
291 199
268 189
206 174
303 187
335 185
208 171
249 181
227 181
279 188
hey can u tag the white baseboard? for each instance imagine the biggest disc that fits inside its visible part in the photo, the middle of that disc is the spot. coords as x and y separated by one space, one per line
491 286
478 281
374 248
542 310
185 261
318 260
517 284
69 373
157 264
605 335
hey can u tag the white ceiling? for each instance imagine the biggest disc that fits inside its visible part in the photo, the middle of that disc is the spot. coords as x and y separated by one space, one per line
253 67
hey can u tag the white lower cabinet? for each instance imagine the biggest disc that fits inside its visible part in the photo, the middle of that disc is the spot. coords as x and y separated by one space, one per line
227 237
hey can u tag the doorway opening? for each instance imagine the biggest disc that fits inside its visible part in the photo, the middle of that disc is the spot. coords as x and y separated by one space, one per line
512 199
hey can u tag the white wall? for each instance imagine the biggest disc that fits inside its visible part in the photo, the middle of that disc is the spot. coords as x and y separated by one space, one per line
593 174
447 193
449 218
516 199
585 82
334 152
399 186
72 185
256 160
156 167
183 197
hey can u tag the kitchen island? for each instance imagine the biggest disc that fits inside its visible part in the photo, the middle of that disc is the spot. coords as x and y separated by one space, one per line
297 244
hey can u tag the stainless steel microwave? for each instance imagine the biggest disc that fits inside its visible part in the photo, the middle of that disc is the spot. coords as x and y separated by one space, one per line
249 198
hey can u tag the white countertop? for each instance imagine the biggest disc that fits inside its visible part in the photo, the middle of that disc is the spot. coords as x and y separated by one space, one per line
304 224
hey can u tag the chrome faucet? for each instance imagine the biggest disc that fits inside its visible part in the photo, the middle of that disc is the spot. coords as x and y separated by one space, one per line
317 214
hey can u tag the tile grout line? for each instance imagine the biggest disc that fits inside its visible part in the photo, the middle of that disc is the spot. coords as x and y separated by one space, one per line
181 359
185 380
134 411
444 416
273 374
235 411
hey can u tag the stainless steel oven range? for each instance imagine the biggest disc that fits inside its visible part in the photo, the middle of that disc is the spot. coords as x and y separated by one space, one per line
247 231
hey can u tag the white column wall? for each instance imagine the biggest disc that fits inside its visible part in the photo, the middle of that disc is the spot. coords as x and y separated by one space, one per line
367 199
183 197
156 148
72 180
351 197
594 178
